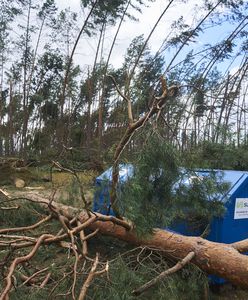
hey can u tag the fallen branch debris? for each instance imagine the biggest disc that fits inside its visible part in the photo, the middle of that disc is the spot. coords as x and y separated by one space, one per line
219 259
26 228
164 274
91 276
30 278
17 261
226 261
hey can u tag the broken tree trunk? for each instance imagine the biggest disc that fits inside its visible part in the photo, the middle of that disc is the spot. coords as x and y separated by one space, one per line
218 259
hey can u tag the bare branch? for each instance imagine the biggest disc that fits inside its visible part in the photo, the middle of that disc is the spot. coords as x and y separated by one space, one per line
164 274
91 276
17 261
46 279
128 100
26 228
10 208
89 279
4 193
30 278
83 241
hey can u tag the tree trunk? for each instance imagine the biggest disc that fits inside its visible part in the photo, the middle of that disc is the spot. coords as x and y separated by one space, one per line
214 258
223 260
10 120
24 142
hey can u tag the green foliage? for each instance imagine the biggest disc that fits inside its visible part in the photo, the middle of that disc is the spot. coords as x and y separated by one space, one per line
27 214
47 10
110 11
147 197
216 156
160 193
198 201
30 293
136 267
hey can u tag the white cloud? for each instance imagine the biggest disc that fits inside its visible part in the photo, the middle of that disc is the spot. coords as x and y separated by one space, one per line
86 49
73 4
130 29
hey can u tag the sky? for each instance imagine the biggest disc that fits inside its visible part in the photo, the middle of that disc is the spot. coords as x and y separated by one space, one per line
130 29
84 55
86 49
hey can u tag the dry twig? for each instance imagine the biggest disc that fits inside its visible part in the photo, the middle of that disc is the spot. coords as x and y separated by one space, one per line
9 208
17 261
164 274
91 276
26 228
46 279
30 278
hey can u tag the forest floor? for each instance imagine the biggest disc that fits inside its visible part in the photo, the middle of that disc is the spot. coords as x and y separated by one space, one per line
67 192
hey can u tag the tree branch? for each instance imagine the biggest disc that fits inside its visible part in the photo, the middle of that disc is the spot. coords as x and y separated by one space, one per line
164 274
158 104
89 279
91 276
241 246
128 100
26 228
17 261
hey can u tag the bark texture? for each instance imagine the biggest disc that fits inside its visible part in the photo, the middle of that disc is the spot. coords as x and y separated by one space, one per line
223 260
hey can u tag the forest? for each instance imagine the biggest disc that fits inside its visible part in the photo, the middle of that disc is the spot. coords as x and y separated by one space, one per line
90 85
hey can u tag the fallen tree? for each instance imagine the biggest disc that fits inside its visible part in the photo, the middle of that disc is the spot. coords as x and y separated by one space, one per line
226 261
223 260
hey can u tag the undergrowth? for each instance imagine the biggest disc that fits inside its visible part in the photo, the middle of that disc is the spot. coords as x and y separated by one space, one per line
128 268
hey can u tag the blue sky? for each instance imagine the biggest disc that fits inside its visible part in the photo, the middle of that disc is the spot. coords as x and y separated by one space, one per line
85 51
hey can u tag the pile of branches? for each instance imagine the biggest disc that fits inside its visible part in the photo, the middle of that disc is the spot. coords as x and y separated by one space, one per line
21 244
219 259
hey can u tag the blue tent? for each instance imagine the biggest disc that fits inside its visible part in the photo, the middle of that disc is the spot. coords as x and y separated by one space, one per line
232 227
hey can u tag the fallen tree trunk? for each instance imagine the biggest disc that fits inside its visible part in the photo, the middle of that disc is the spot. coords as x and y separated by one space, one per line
218 259
214 258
